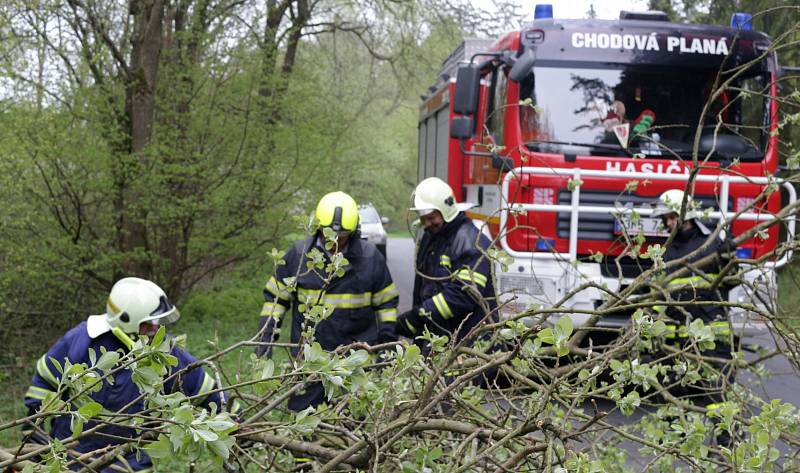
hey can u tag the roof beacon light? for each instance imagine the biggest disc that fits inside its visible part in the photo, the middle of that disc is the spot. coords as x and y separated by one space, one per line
742 21
543 11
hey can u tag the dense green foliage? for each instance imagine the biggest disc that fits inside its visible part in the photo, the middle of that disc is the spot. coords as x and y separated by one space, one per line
236 157
240 147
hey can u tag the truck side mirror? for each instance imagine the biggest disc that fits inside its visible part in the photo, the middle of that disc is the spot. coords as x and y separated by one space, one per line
465 98
461 128
522 66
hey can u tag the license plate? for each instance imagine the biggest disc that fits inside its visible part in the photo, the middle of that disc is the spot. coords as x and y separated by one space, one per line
646 225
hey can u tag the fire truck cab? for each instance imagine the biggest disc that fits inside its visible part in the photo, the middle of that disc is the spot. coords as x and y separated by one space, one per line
564 134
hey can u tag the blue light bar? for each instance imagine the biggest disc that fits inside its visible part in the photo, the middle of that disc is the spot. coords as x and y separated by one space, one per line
744 253
544 244
743 21
543 11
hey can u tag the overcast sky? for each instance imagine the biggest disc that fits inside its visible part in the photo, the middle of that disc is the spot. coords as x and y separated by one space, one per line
608 9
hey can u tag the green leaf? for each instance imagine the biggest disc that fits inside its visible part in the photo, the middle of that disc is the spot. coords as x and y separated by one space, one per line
158 337
56 364
629 403
268 369
358 358
171 360
335 380
411 355
221 447
146 376
90 409
657 328
754 462
92 357
183 415
564 325
546 335
220 425
762 438
573 184
314 352
435 453
206 435
107 360
77 425
161 448
507 333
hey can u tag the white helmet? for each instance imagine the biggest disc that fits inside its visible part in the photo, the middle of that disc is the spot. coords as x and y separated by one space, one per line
132 302
670 202
434 194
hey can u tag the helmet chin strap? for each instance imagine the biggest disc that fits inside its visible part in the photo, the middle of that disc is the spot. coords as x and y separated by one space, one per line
123 337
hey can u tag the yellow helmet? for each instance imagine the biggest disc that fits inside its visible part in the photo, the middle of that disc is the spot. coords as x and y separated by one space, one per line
338 211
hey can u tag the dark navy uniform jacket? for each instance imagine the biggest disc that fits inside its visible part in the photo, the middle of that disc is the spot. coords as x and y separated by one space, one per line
74 346
453 259
364 299
363 302
696 286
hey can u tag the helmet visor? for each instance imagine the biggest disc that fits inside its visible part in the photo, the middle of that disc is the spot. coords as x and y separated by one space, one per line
165 313
661 211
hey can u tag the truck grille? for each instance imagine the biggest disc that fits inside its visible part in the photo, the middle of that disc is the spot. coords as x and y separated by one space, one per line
601 226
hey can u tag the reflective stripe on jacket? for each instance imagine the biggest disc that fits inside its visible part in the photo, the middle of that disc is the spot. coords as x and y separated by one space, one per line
456 267
694 286
362 300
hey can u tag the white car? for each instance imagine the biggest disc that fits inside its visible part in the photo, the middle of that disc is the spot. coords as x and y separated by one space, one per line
372 226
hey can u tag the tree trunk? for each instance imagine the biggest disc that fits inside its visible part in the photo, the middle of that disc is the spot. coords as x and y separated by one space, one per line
186 28
270 77
148 20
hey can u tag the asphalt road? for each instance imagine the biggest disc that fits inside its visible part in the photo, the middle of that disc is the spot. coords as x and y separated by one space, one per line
783 382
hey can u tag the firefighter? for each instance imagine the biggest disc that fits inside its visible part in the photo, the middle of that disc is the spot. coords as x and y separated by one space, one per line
364 299
690 245
453 287
134 307
691 236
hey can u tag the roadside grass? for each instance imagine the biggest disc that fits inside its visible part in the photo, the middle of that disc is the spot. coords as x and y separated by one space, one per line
217 318
15 378
220 318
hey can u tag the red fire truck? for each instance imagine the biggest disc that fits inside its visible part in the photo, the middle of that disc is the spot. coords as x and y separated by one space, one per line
564 134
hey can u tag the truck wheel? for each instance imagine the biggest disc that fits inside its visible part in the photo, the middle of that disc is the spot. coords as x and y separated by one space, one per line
382 249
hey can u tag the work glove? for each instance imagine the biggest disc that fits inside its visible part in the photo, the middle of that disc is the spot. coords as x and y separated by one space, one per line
386 333
409 323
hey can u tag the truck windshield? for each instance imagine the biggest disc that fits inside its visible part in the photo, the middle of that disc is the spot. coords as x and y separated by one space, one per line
585 110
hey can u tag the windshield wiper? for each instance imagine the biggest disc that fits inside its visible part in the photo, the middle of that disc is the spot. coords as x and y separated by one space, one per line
722 156
534 145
